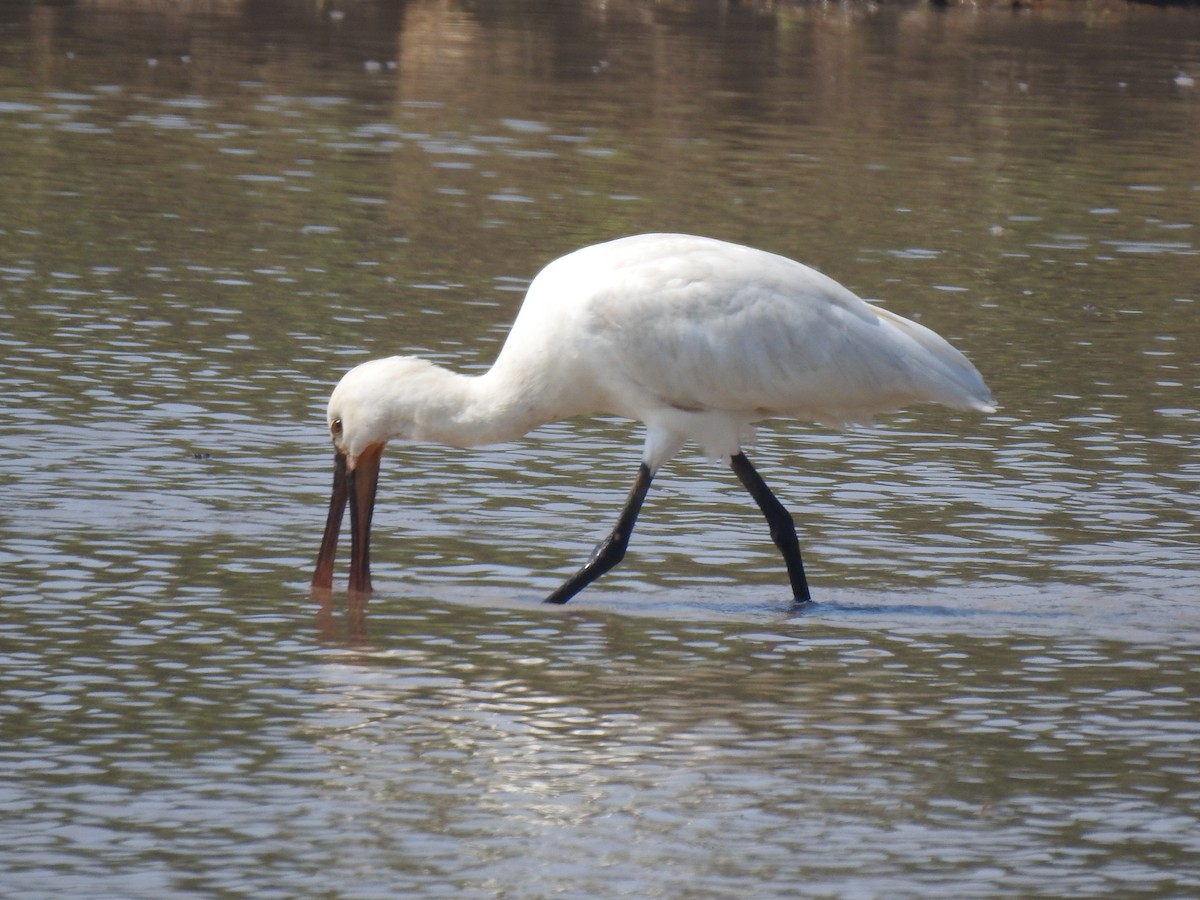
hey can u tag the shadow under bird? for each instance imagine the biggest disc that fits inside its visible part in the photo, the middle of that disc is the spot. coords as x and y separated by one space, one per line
696 338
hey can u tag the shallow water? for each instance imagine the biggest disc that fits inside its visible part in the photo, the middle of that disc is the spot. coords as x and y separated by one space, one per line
207 215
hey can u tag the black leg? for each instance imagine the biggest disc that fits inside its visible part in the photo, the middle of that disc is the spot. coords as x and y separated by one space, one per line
783 530
612 549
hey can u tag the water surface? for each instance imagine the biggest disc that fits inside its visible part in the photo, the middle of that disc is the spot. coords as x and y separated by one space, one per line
207 214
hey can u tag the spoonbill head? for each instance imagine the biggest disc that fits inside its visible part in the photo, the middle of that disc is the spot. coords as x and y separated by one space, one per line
697 338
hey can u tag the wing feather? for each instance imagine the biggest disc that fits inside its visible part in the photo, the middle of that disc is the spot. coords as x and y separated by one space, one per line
704 325
655 322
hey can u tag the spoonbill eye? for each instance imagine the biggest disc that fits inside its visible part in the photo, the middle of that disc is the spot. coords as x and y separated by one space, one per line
335 427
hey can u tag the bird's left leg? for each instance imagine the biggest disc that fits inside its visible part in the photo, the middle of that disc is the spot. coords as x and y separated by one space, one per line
783 529
612 549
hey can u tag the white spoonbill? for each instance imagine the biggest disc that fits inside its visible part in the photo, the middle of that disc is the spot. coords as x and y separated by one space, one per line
697 338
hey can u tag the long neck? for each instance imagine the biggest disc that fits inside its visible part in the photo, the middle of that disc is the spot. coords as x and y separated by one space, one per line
468 410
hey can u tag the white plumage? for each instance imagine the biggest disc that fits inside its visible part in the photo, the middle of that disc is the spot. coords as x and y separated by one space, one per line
695 337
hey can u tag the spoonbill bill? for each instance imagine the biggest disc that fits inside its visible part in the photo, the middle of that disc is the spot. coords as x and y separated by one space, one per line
696 338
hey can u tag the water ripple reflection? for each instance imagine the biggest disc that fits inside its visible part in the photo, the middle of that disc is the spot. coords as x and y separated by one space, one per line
717 752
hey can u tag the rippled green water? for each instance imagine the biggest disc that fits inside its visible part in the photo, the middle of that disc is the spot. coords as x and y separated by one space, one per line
206 217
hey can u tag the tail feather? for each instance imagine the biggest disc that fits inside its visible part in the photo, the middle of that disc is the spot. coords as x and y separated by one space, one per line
945 376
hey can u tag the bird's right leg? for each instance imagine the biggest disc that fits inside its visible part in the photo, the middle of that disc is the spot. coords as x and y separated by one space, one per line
612 549
783 529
